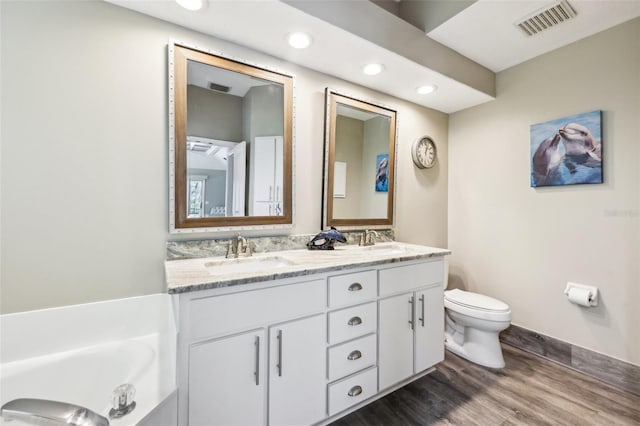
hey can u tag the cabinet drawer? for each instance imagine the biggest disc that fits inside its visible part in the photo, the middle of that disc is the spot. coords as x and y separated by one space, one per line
353 356
217 315
404 278
352 390
352 322
349 289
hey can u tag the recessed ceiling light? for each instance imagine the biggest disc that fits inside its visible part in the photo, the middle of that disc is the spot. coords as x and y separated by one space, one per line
373 69
299 40
191 4
425 90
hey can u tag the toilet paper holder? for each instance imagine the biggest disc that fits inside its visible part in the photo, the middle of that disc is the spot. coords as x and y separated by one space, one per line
592 291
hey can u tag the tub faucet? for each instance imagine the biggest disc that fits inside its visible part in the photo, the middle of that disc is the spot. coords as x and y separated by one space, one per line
368 237
50 413
238 246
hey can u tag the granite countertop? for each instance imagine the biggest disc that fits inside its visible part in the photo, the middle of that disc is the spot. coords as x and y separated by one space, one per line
215 272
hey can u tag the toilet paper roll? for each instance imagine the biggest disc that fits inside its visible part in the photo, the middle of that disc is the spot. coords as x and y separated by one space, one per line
580 296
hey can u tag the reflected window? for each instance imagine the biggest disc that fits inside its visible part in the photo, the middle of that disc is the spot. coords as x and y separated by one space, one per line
196 196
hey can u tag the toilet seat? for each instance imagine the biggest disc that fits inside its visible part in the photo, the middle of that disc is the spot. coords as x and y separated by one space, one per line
476 305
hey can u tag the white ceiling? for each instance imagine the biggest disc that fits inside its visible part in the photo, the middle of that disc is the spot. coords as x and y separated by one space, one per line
199 74
483 32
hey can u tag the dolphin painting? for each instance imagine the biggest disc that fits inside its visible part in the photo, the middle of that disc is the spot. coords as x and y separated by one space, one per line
546 160
581 146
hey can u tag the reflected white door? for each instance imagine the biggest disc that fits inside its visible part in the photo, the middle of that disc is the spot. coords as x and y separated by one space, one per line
236 175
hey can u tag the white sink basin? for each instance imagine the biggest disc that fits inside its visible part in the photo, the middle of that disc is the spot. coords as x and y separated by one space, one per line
247 265
381 249
387 249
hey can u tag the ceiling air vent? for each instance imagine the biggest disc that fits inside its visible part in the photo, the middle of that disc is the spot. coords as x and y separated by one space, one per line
546 18
218 87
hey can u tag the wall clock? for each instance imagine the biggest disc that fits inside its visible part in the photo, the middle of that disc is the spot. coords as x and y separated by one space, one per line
424 153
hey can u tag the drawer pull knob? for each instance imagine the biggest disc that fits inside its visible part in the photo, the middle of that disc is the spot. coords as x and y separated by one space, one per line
355 391
355 321
355 287
354 355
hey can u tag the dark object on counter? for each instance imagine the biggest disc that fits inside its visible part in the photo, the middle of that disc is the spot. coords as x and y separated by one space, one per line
325 240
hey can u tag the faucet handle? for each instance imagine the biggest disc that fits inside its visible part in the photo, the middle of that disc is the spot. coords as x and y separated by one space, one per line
370 237
122 402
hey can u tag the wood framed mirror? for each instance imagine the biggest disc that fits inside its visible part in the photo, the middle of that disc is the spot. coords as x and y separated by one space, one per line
231 143
359 163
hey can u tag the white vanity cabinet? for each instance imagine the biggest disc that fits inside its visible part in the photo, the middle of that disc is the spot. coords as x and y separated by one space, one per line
253 357
411 323
307 349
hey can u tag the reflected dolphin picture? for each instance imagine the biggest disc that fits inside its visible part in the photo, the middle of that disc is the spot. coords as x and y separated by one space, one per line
382 171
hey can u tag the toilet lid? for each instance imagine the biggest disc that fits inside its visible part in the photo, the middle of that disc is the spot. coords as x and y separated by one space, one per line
475 300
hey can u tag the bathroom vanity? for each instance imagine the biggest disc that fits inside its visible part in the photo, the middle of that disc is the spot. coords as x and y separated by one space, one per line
302 337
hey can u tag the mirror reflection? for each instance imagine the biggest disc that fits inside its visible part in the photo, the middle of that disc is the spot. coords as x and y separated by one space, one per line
232 142
360 154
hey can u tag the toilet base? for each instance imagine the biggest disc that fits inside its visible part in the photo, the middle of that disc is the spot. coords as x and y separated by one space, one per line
479 347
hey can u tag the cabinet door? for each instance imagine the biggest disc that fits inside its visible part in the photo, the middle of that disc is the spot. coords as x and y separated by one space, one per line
429 329
395 333
297 372
227 381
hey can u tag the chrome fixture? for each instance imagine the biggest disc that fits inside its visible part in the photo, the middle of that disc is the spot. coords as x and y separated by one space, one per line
47 412
238 246
368 237
122 402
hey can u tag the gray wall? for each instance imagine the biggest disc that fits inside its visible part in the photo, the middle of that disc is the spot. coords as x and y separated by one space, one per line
349 138
84 166
521 244
214 115
262 116
262 106
376 141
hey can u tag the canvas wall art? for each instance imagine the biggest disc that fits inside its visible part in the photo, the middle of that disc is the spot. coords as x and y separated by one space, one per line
567 151
382 170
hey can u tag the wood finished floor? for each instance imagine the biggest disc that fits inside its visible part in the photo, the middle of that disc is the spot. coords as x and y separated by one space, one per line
528 391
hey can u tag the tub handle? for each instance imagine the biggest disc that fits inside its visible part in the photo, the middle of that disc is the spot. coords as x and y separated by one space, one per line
44 411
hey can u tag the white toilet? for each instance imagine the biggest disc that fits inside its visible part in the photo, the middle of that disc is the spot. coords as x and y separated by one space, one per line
472 324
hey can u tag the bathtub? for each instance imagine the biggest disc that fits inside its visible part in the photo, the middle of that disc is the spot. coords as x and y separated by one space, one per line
79 354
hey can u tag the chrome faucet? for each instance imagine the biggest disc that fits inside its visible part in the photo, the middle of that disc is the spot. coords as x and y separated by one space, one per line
368 237
53 413
238 246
